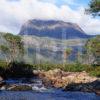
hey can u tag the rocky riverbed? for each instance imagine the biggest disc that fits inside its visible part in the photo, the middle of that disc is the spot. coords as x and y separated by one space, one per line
34 89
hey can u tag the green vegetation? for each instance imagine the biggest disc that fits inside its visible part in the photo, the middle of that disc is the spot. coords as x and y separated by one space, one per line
94 71
5 51
67 52
93 50
20 69
14 49
3 64
16 70
94 8
76 67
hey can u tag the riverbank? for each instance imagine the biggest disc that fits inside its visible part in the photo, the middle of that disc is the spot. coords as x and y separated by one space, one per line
55 77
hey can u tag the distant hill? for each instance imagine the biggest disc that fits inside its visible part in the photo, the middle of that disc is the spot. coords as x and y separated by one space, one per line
53 29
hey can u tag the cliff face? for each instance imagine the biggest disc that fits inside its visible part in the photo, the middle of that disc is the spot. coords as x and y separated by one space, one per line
52 29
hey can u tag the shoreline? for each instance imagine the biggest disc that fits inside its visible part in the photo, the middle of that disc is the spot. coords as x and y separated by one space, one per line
67 81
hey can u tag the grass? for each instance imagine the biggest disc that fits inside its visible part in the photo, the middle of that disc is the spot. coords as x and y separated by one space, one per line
23 69
94 71
76 67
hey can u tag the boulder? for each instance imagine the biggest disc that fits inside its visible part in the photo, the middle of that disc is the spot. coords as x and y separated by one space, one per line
58 78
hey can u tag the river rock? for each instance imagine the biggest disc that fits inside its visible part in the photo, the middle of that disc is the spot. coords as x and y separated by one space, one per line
19 88
3 88
36 72
97 92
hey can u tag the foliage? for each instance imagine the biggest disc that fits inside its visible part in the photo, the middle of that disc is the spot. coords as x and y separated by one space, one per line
94 71
16 70
4 49
21 69
68 51
93 48
75 67
14 47
3 64
94 8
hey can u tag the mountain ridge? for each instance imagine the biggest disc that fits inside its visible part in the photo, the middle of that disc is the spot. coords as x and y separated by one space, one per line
53 29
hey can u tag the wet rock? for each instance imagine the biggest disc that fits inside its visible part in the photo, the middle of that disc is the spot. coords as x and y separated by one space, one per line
47 82
84 87
97 92
3 88
52 78
2 82
19 88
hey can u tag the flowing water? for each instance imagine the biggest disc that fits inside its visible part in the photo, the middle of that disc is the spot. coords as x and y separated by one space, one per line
39 92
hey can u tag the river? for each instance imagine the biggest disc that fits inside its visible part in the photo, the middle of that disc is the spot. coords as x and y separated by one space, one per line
39 92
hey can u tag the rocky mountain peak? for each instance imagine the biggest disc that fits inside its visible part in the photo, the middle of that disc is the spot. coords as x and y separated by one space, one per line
53 29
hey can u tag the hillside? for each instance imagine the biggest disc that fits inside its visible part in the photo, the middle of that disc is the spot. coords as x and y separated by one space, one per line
49 49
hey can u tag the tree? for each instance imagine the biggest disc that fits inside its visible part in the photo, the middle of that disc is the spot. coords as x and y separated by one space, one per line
93 50
5 52
15 46
67 52
94 8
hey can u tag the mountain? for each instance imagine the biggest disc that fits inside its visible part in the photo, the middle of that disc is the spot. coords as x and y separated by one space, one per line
47 40
53 29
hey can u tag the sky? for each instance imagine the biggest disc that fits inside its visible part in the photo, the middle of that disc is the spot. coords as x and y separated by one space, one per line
14 13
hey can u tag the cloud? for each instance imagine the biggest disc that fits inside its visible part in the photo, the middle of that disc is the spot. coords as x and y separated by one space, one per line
61 2
13 13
